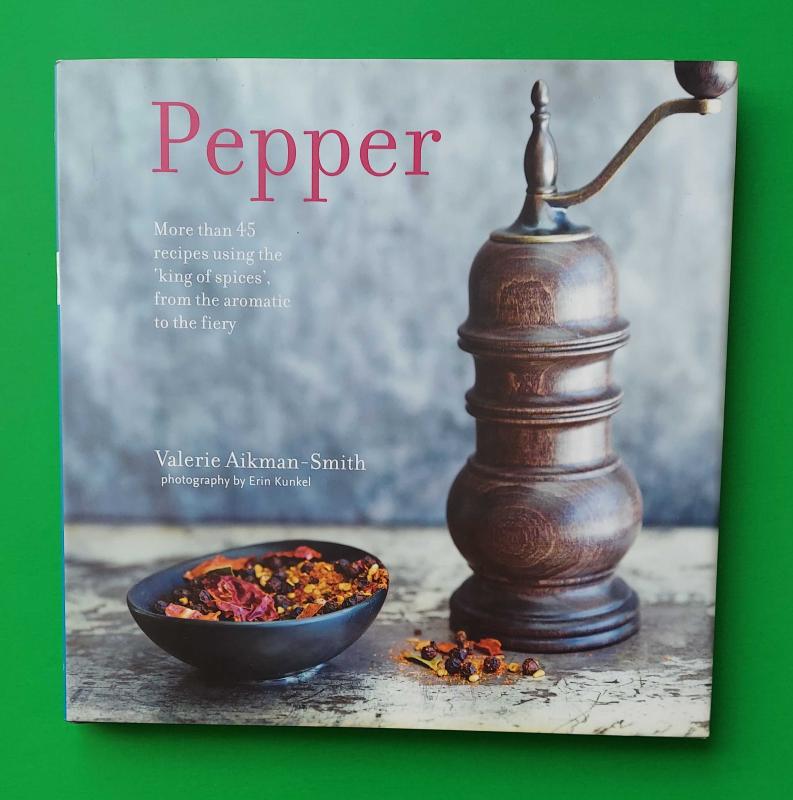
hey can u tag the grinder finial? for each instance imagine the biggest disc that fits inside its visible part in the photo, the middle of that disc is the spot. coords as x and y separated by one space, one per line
539 161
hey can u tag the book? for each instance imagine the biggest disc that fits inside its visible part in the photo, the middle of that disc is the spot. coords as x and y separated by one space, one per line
270 432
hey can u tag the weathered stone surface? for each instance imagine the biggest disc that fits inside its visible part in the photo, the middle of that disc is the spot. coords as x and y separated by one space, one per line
657 683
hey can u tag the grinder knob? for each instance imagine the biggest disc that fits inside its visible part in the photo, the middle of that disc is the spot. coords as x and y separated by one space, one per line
706 79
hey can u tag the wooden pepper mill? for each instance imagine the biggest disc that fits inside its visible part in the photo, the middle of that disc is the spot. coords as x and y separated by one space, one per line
544 510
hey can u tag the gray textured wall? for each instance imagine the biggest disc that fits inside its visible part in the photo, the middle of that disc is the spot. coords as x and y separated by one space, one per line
366 360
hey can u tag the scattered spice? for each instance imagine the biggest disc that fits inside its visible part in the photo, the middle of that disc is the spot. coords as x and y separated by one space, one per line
290 584
461 658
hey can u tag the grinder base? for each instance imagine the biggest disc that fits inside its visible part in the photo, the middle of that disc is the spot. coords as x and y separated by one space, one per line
547 619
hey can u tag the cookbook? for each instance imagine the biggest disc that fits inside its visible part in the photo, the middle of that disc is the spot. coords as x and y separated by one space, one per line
392 391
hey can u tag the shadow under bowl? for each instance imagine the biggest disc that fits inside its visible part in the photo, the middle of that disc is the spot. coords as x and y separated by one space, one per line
252 650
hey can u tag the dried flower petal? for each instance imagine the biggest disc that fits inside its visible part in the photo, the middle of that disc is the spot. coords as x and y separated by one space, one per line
243 599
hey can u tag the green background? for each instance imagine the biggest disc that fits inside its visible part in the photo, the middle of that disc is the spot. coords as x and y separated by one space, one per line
41 755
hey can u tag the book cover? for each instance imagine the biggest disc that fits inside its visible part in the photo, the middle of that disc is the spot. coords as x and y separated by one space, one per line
355 429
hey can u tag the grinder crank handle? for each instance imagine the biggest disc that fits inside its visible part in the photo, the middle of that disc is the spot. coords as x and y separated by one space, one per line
704 80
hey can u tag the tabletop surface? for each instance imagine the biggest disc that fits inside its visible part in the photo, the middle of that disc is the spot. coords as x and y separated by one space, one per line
655 684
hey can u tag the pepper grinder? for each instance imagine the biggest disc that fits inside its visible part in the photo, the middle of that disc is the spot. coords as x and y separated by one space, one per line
544 509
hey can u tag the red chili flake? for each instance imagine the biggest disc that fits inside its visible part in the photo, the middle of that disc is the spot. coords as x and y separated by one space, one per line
175 610
490 646
303 551
445 647
216 562
309 610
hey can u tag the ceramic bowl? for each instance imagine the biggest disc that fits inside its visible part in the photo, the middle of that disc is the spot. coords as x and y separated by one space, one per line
252 650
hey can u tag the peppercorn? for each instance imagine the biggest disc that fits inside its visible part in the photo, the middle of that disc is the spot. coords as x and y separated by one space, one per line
346 569
530 666
429 652
274 585
467 669
453 665
491 664
460 653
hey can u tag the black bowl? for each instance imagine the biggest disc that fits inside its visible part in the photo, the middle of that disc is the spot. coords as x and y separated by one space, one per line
252 650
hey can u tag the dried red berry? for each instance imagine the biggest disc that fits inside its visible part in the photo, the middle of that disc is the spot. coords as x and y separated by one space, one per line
453 665
330 607
429 652
530 666
467 669
491 664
